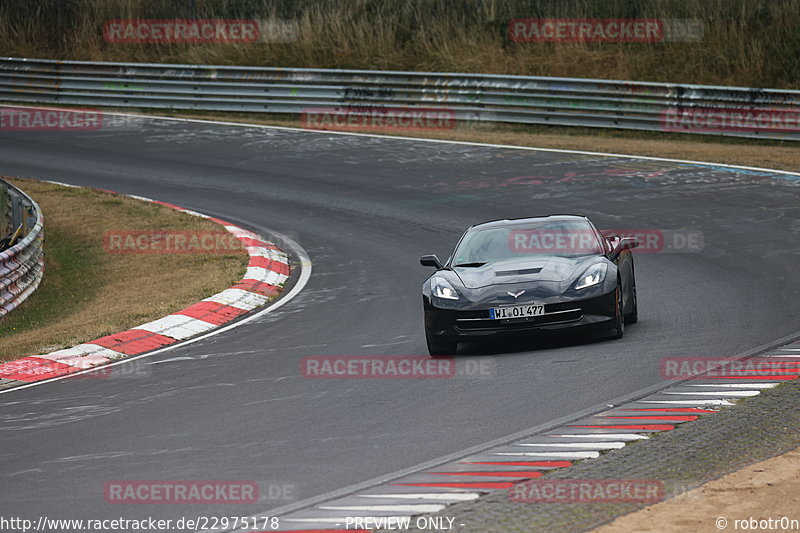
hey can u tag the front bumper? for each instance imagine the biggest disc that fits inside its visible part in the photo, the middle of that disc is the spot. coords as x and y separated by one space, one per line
451 325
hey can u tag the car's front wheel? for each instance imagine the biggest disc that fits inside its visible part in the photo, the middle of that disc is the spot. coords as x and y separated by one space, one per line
633 316
440 348
619 322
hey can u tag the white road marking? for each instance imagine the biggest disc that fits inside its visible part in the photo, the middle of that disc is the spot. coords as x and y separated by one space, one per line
62 183
173 359
615 436
241 232
187 211
177 326
265 276
737 385
724 394
436 496
410 508
589 445
274 255
572 455
78 361
238 298
85 355
688 402
143 198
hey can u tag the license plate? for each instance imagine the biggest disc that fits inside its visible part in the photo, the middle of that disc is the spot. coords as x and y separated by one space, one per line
518 311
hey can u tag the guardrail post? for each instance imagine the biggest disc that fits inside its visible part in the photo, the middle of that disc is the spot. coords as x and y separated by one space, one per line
5 212
16 210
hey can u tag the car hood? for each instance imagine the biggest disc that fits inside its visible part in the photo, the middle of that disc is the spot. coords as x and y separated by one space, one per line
528 269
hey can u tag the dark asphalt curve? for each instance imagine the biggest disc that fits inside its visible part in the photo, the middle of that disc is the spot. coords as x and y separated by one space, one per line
236 407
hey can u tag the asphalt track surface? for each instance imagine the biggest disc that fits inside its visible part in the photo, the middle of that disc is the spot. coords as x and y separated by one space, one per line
236 407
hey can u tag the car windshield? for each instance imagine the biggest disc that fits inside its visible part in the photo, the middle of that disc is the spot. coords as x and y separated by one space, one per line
562 238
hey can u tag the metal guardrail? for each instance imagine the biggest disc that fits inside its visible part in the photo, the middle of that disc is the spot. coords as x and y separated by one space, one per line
735 111
21 263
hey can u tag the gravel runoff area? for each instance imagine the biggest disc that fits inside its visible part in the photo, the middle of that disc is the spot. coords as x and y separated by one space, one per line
695 452
765 493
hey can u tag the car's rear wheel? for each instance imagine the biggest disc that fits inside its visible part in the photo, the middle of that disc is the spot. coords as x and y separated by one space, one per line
619 322
440 348
633 316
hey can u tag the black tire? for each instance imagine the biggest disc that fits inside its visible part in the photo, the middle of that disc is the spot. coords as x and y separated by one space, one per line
440 348
633 316
619 322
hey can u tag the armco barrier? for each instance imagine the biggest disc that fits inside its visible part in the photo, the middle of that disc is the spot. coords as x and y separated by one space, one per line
736 111
22 263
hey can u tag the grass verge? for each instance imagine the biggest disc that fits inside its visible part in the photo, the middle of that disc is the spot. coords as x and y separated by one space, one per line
86 292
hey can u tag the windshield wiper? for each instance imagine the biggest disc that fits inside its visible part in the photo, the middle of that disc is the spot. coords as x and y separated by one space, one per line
475 264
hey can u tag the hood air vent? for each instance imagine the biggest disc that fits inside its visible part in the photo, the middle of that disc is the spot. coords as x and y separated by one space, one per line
517 272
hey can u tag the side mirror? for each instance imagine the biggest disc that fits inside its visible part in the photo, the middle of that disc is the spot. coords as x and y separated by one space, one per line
430 261
628 243
625 243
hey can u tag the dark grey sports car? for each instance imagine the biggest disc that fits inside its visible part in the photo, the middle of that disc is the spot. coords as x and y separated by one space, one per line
528 274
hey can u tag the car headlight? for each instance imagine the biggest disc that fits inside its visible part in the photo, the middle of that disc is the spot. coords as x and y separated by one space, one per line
441 288
594 274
